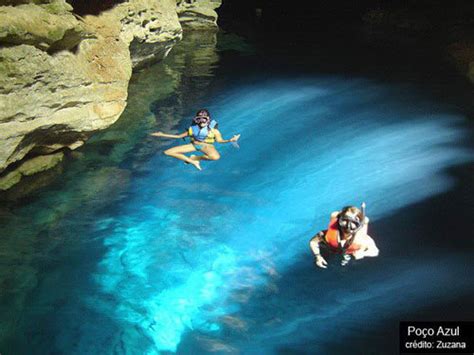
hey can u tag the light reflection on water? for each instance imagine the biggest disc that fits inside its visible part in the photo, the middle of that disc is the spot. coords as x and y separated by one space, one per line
192 240
218 260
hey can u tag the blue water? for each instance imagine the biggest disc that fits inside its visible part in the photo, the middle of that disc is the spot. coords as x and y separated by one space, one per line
217 260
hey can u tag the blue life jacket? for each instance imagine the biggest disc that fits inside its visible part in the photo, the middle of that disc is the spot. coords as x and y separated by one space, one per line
204 134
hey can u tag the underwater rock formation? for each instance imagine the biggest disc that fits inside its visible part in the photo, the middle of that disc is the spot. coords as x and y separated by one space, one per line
64 77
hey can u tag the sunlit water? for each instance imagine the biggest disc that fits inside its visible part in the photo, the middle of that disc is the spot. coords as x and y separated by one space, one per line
218 261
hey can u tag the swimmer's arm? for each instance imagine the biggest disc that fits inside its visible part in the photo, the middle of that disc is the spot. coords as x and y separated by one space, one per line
365 227
314 245
166 135
219 138
371 249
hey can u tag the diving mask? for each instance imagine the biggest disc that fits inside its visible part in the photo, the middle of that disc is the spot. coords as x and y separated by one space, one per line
349 223
201 119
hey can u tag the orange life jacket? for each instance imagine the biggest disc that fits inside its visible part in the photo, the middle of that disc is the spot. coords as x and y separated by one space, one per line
332 239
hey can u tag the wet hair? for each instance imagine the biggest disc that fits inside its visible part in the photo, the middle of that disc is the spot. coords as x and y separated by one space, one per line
203 112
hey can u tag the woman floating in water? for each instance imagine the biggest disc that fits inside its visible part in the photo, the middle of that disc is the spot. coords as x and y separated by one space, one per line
347 235
203 133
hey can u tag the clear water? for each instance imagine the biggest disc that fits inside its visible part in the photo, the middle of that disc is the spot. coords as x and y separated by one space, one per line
131 252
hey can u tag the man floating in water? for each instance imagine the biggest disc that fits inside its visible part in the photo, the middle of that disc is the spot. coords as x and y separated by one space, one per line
203 133
347 235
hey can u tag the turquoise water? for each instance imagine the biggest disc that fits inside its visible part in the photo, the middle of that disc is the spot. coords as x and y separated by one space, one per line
152 256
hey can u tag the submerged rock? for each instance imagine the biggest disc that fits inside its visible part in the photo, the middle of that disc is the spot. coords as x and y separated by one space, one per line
30 167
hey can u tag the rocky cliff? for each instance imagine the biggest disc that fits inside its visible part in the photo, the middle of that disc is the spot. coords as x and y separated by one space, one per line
65 76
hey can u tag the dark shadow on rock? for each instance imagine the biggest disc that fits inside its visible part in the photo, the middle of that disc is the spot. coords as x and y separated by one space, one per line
85 7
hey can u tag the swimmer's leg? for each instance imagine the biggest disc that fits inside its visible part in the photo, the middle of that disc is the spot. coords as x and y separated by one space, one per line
178 153
210 153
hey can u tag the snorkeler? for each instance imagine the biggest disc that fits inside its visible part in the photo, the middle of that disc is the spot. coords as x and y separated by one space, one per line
347 235
203 133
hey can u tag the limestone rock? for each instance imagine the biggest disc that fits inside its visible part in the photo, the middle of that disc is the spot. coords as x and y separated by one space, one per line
49 27
151 28
198 14
30 167
63 77
52 5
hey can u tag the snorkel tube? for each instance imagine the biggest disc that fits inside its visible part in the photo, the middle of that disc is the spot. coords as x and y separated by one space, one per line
362 222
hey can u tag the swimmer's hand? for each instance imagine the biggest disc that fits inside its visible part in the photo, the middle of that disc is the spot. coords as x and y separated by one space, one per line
359 254
235 138
321 262
157 134
345 259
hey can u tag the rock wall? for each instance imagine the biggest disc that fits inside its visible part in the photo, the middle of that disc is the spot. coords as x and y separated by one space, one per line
198 14
64 77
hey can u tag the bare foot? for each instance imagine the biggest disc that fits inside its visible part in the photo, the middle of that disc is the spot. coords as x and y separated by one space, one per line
192 157
196 164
